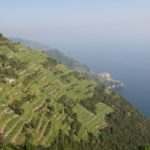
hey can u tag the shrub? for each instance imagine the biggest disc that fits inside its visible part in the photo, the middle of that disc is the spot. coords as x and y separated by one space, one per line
1 35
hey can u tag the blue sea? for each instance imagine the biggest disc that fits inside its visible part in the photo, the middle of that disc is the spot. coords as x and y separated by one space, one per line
129 64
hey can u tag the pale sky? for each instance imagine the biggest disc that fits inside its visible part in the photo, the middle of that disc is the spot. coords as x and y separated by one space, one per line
64 22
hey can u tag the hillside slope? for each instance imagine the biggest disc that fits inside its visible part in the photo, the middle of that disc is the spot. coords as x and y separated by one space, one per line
45 105
55 53
70 62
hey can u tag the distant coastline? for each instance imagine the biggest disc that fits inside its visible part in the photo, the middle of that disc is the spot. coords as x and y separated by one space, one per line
112 84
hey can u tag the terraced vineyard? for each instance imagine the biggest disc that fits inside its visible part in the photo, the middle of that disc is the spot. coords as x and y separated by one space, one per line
37 92
44 103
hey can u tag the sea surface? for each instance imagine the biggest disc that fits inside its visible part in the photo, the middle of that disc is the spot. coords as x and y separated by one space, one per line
129 64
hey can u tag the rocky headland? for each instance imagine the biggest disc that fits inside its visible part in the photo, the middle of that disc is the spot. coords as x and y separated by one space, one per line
111 83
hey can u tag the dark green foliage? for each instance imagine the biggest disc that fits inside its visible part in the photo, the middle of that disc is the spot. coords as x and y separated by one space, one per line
144 147
2 138
16 107
63 100
89 104
75 127
28 136
124 124
49 63
29 97
26 127
50 110
34 123
48 100
1 35
9 67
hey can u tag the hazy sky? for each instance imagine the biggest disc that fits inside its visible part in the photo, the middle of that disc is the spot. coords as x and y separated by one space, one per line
71 22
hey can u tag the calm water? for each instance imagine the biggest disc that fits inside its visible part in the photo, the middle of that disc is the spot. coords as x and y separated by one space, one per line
130 64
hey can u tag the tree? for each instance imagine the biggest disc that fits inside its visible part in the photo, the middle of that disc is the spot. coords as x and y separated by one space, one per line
2 138
144 147
1 35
